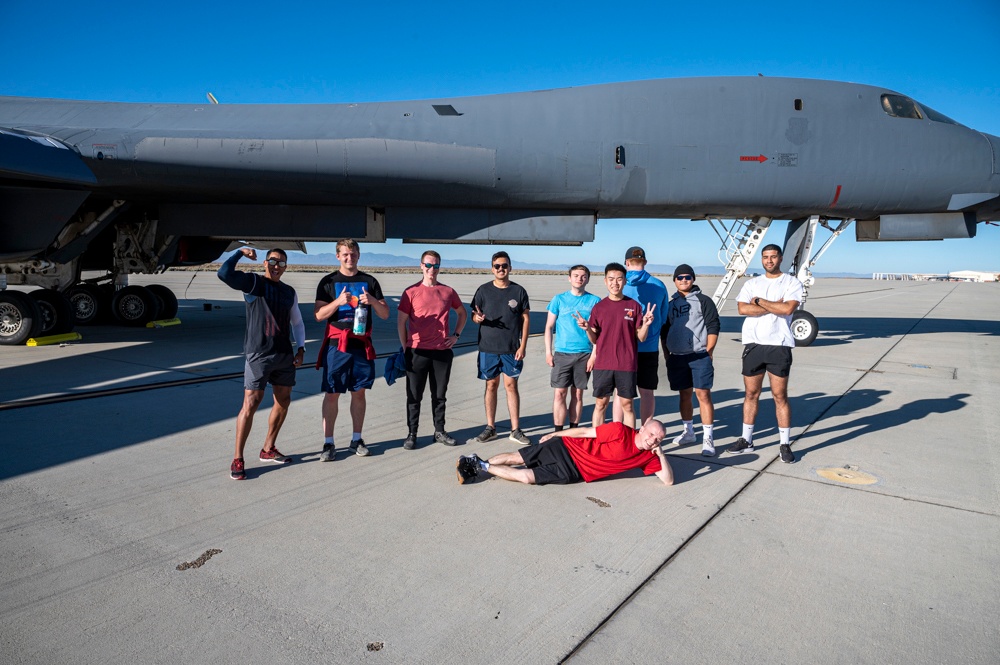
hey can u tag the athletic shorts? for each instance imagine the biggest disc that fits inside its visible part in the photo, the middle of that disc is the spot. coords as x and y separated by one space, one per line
648 376
345 371
690 370
606 381
760 358
278 369
551 463
491 365
570 370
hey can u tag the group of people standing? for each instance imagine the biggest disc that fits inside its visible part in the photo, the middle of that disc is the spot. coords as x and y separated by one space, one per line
615 339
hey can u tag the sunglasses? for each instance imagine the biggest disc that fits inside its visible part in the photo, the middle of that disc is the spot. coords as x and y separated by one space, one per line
501 266
277 262
684 278
432 266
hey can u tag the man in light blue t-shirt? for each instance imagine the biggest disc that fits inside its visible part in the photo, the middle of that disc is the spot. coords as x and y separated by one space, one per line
570 354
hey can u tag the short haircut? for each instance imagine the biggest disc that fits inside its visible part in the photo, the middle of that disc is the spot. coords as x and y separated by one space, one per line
284 256
614 267
430 252
770 247
502 255
350 244
579 267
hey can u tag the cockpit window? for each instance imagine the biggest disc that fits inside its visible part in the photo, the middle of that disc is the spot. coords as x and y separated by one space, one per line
935 116
900 107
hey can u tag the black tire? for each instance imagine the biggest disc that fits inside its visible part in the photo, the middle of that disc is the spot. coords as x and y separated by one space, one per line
20 319
804 328
88 303
166 299
57 313
134 306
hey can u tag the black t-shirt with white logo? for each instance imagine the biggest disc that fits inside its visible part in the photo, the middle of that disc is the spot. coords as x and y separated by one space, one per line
500 333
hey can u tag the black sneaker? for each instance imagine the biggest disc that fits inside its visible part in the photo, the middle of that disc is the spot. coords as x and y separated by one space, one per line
741 445
785 451
359 448
467 468
443 437
487 434
329 453
410 442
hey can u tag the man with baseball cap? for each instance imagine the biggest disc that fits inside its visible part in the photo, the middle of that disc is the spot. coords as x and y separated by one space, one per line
689 334
646 290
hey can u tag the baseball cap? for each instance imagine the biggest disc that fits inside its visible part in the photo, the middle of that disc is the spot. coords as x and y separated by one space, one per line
635 253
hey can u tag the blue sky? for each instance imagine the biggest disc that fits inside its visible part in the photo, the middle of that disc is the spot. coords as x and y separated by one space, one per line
944 55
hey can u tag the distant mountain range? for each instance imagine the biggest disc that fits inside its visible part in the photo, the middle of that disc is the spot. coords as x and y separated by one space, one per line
375 260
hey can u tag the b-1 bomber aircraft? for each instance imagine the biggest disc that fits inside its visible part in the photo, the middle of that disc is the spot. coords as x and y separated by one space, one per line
125 188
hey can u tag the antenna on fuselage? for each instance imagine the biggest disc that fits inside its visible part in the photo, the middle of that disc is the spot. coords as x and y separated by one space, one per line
211 98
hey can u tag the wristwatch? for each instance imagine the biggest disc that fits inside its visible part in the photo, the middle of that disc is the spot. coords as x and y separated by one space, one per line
756 301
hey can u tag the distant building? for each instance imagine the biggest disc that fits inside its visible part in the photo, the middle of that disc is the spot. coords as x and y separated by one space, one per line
974 276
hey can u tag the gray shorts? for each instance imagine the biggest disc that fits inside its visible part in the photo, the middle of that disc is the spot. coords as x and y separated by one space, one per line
569 370
278 369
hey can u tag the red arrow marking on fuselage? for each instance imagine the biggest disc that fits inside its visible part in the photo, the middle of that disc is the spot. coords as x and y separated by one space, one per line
835 197
753 158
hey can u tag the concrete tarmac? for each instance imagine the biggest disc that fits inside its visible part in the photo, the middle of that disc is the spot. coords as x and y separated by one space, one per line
879 545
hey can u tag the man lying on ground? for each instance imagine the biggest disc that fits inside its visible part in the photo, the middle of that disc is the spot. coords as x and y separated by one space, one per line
579 453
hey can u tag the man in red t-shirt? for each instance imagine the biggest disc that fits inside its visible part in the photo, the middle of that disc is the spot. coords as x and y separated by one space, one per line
423 329
580 453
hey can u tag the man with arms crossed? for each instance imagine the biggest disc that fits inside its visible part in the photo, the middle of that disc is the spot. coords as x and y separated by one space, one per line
422 323
647 290
615 328
579 453
768 302
272 313
500 308
569 357
689 335
347 359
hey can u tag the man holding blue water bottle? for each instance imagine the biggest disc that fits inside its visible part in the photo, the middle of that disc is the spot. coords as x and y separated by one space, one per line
345 299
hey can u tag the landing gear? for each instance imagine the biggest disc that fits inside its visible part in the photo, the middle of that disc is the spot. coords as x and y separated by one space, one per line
89 303
56 312
20 318
743 238
166 300
134 306
804 328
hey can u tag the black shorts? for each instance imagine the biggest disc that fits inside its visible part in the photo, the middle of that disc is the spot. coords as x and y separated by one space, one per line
606 381
260 369
551 463
760 358
648 376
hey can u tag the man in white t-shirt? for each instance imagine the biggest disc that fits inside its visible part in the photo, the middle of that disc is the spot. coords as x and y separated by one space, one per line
768 302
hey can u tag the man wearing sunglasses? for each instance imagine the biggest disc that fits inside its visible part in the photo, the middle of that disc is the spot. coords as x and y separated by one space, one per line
422 323
272 315
688 336
348 356
500 308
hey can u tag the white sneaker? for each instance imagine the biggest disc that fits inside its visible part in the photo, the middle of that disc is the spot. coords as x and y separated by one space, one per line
708 449
685 438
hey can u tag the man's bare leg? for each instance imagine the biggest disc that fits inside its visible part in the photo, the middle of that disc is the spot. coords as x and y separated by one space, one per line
244 421
513 401
282 399
331 406
358 406
507 466
600 406
490 400
559 406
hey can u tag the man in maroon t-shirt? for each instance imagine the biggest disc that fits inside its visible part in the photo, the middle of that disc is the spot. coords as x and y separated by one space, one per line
578 454
617 325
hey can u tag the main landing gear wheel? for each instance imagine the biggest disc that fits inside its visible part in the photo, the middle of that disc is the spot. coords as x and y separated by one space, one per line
56 311
804 328
166 300
20 319
89 303
134 306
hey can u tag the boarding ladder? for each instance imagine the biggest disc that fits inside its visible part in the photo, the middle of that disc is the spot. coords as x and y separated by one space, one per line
740 242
